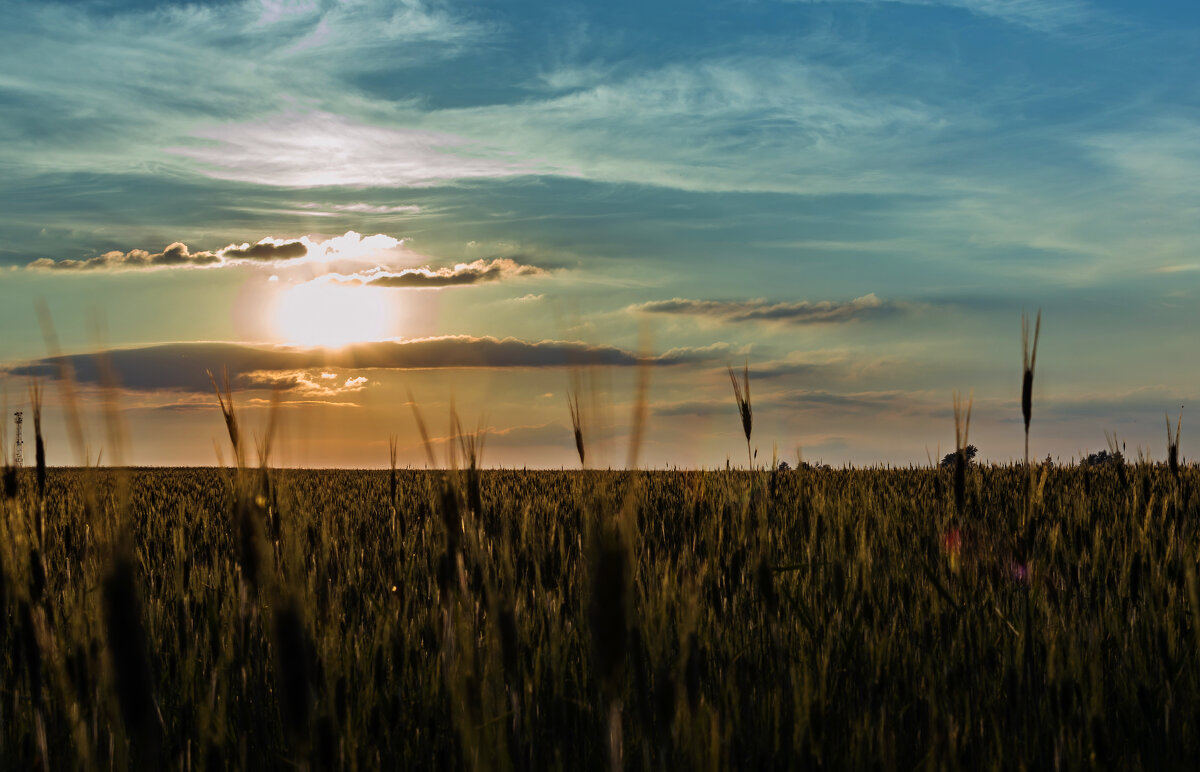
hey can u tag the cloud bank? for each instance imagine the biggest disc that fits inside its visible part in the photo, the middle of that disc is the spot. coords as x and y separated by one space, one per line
175 255
798 312
460 275
185 366
350 245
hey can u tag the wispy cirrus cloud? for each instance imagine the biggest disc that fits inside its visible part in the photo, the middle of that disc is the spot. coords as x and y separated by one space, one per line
1041 15
362 208
292 149
62 61
780 124
460 275
733 123
798 313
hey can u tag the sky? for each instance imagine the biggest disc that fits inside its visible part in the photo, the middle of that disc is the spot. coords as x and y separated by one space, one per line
356 206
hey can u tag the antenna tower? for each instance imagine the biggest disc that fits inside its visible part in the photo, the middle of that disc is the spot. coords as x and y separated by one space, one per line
18 460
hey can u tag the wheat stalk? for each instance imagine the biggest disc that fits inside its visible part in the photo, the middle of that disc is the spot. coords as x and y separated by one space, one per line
741 393
962 427
1029 360
576 424
1173 445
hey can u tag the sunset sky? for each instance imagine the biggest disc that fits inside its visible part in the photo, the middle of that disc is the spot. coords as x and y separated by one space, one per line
349 201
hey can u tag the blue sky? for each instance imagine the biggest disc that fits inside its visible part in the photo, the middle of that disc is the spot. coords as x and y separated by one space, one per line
859 198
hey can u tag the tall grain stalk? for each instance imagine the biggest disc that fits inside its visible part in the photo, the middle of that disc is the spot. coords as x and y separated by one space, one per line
962 427
741 393
1173 458
608 617
392 447
1173 446
129 655
577 424
9 472
1029 359
245 518
641 400
225 401
35 400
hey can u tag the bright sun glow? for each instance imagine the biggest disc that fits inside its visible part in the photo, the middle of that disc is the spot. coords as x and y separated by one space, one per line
319 314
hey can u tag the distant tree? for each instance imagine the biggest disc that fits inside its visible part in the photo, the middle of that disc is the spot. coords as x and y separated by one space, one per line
783 466
1104 458
969 452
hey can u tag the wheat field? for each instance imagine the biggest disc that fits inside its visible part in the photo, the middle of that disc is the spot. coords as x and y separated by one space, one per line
216 618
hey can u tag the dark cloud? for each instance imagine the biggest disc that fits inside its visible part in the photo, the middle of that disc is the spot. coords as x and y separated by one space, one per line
1152 406
266 251
784 369
798 312
184 366
791 401
696 408
460 275
848 401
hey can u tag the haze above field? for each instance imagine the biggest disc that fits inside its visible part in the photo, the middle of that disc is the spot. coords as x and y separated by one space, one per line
462 199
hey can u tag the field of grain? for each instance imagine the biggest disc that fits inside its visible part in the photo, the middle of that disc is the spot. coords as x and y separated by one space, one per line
209 618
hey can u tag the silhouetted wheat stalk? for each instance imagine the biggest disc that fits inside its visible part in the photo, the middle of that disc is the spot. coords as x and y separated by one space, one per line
425 441
1029 360
471 446
225 401
129 653
392 448
741 393
641 399
608 617
245 507
292 671
1173 446
35 402
576 424
962 427
1173 460
9 473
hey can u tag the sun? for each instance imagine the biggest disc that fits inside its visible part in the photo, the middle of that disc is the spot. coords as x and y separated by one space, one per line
332 315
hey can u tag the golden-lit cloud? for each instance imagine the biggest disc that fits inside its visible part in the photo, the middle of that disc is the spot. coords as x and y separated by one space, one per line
307 383
460 275
174 255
